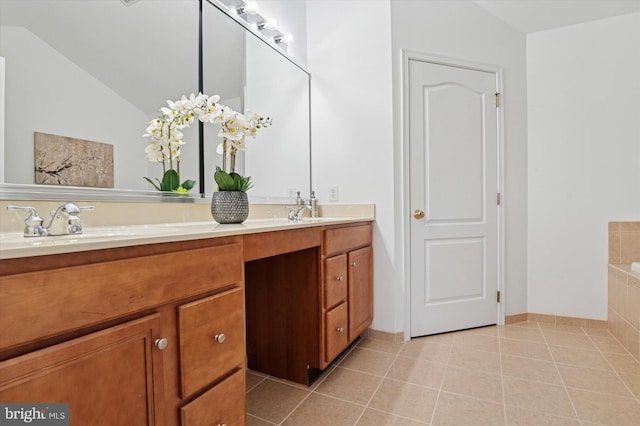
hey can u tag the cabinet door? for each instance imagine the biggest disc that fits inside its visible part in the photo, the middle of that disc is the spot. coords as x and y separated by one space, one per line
211 339
107 377
335 280
224 404
360 291
336 332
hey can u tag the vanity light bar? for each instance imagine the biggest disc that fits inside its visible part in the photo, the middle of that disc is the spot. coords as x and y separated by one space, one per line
248 12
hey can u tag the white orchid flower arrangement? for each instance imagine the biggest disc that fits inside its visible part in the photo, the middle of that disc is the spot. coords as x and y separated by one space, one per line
166 140
234 128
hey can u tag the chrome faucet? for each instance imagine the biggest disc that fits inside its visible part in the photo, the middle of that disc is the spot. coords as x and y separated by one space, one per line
34 223
311 203
295 215
65 220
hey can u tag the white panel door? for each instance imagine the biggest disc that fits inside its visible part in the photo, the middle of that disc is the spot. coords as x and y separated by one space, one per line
453 143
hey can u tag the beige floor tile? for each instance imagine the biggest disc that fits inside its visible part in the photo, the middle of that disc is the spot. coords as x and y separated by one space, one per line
273 401
319 410
525 349
521 417
405 399
443 338
579 357
381 346
602 381
522 333
633 383
253 379
480 342
373 417
543 397
474 384
475 360
434 352
368 361
605 409
530 369
417 371
573 340
458 410
623 363
608 344
254 421
601 332
565 328
352 386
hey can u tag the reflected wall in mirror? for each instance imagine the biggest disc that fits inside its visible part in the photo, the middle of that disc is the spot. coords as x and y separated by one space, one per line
261 80
99 70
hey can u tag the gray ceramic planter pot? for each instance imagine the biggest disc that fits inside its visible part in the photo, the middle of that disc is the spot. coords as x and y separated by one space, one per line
229 206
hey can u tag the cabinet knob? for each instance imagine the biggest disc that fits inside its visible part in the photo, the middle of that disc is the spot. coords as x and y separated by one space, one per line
354 264
340 329
339 278
220 338
162 344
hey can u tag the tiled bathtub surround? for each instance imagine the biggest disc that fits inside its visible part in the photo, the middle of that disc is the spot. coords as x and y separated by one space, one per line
624 286
528 373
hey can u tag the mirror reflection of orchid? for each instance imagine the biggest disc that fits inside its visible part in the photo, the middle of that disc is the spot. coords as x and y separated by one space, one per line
166 140
166 137
234 128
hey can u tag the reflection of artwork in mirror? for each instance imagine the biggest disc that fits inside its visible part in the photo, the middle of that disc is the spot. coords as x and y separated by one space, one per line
60 160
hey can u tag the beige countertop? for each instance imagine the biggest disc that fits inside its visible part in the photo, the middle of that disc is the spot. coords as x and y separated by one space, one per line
15 244
624 267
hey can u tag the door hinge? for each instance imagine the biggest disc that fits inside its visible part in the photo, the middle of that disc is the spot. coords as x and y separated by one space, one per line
498 296
498 100
498 198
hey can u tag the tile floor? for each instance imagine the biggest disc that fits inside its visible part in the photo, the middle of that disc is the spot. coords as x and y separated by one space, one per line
522 374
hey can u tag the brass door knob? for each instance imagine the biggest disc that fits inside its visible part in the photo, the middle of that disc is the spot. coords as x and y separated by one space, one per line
418 214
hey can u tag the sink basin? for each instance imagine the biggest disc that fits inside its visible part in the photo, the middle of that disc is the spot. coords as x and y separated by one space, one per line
635 267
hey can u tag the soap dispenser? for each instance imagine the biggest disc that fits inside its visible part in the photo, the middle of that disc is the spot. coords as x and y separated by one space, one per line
313 201
299 200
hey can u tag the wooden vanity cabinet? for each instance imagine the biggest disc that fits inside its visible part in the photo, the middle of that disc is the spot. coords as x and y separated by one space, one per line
347 290
146 335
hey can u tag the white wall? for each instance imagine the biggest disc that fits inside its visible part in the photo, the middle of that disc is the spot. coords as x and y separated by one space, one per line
349 57
354 59
584 158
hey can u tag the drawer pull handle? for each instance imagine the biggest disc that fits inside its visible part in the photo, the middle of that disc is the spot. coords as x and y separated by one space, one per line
162 344
222 424
220 338
339 278
340 329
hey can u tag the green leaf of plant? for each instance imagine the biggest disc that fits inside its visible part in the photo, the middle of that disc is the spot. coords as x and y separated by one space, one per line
153 183
188 184
224 181
170 180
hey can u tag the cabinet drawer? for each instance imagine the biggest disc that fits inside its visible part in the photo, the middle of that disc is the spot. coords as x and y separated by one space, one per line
336 331
224 404
42 304
211 338
335 280
337 240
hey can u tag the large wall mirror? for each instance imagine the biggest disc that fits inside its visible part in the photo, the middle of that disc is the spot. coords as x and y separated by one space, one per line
99 70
